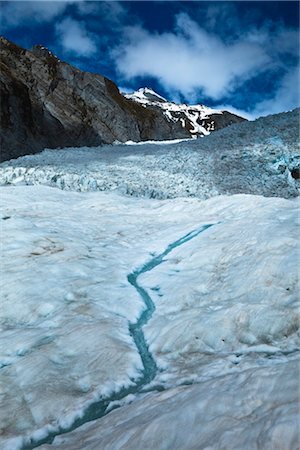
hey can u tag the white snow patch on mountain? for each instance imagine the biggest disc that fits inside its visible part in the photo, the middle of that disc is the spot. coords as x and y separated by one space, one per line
146 96
194 114
167 142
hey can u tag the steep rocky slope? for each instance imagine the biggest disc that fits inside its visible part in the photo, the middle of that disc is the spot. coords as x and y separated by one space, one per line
199 120
48 103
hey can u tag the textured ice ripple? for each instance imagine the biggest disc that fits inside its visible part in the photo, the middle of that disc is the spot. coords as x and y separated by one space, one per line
226 309
249 410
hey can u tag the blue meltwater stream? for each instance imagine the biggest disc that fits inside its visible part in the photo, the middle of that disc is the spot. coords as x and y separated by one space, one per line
100 408
136 331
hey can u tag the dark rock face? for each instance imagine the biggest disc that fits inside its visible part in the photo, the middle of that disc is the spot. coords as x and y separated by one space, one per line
48 103
224 120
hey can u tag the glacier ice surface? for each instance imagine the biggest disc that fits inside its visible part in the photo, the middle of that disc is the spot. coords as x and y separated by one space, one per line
252 410
225 330
226 318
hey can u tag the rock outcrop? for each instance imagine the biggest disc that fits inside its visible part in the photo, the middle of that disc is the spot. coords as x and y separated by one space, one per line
47 103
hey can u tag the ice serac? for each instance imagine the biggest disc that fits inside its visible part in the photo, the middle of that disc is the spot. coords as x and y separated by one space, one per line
49 103
197 120
259 157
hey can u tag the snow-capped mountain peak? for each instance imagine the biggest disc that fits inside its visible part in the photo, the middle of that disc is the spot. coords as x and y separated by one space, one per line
198 120
146 95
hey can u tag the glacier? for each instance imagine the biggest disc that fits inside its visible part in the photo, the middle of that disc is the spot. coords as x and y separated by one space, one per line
225 308
252 158
150 294
248 411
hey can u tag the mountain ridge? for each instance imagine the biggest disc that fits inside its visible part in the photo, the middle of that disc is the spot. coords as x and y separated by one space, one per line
198 119
48 103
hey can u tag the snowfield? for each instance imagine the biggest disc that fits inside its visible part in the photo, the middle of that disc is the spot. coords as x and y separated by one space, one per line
169 322
225 320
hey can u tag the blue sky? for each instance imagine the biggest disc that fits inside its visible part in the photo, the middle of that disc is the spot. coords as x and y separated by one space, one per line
243 56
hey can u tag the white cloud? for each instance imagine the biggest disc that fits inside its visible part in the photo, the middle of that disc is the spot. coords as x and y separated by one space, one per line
194 61
74 38
18 12
14 13
190 59
113 10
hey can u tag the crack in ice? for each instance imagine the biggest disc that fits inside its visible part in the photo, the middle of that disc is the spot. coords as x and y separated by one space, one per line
101 408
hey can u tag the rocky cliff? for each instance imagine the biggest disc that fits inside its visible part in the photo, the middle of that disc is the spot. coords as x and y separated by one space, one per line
47 103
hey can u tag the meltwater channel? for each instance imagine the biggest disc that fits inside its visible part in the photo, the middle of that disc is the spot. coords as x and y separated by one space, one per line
100 408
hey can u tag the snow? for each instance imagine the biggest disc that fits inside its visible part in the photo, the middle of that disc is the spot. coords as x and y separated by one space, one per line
143 95
167 142
67 304
242 158
209 310
252 410
173 111
194 118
